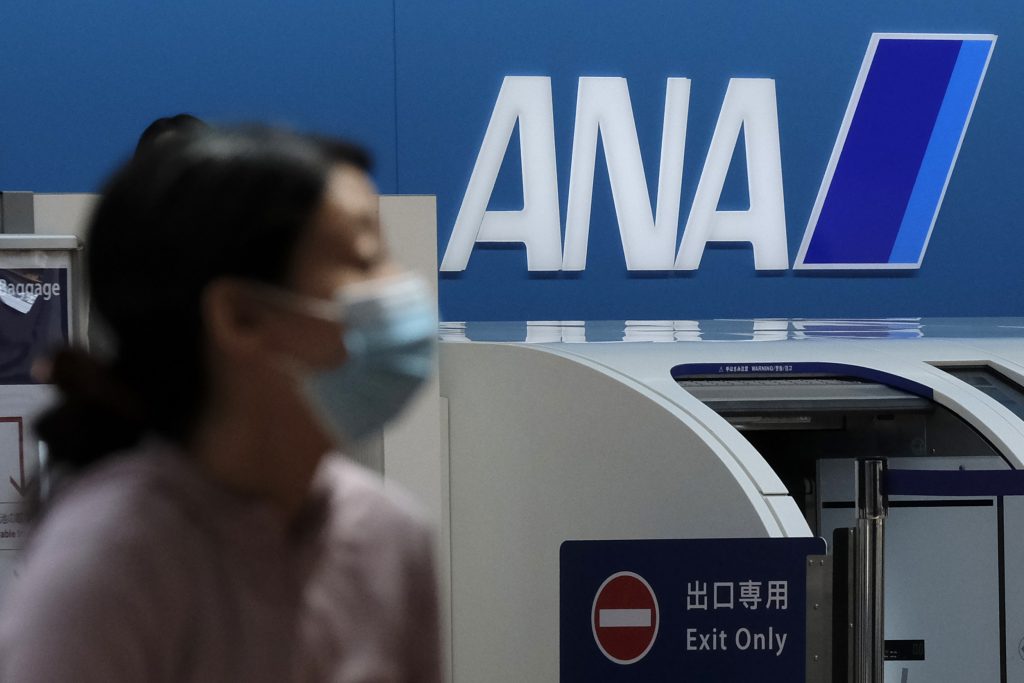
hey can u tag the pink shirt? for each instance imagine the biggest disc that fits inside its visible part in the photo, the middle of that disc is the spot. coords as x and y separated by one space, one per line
145 570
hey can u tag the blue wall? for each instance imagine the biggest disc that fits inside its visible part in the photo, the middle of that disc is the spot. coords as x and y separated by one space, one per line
80 81
417 80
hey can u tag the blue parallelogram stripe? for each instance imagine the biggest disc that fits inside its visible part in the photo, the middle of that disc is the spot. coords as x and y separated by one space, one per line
939 157
885 145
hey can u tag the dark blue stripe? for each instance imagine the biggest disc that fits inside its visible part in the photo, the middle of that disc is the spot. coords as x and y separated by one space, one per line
884 148
773 369
940 155
955 483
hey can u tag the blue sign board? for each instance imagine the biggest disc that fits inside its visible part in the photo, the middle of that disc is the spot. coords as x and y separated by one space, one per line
869 150
920 193
684 610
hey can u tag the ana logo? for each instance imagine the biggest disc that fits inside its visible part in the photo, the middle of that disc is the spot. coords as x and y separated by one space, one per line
875 209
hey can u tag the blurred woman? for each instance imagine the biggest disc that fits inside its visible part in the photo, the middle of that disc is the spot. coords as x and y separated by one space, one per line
199 528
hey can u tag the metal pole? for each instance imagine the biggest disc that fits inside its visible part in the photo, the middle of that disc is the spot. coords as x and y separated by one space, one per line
872 508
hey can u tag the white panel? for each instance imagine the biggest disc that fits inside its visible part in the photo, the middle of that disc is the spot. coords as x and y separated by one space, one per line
409 223
414 448
546 449
787 512
652 367
63 214
941 586
1014 560
941 575
412 453
412 445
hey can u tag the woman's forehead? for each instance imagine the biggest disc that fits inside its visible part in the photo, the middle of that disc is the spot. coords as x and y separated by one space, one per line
349 207
350 193
345 239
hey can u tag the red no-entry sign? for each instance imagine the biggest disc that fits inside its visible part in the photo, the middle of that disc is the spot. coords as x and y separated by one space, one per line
625 617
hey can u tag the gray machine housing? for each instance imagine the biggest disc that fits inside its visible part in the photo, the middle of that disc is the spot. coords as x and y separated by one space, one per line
570 438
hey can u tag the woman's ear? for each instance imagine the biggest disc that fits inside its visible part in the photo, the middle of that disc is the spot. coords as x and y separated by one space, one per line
234 318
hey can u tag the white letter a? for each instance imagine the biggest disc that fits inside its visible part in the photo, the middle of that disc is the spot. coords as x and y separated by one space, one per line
749 104
537 225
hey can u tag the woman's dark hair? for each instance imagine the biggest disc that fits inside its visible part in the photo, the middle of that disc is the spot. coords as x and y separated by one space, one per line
173 219
169 127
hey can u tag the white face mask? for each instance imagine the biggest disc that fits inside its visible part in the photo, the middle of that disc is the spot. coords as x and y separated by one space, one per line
389 334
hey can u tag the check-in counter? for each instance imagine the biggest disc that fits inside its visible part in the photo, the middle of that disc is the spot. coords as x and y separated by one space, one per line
732 429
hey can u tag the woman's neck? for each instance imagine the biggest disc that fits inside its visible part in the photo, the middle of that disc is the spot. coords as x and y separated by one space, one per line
264 453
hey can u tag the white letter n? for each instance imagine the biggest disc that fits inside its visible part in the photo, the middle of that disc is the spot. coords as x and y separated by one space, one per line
648 241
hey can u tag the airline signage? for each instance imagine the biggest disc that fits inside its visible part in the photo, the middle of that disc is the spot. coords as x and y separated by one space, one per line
875 209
